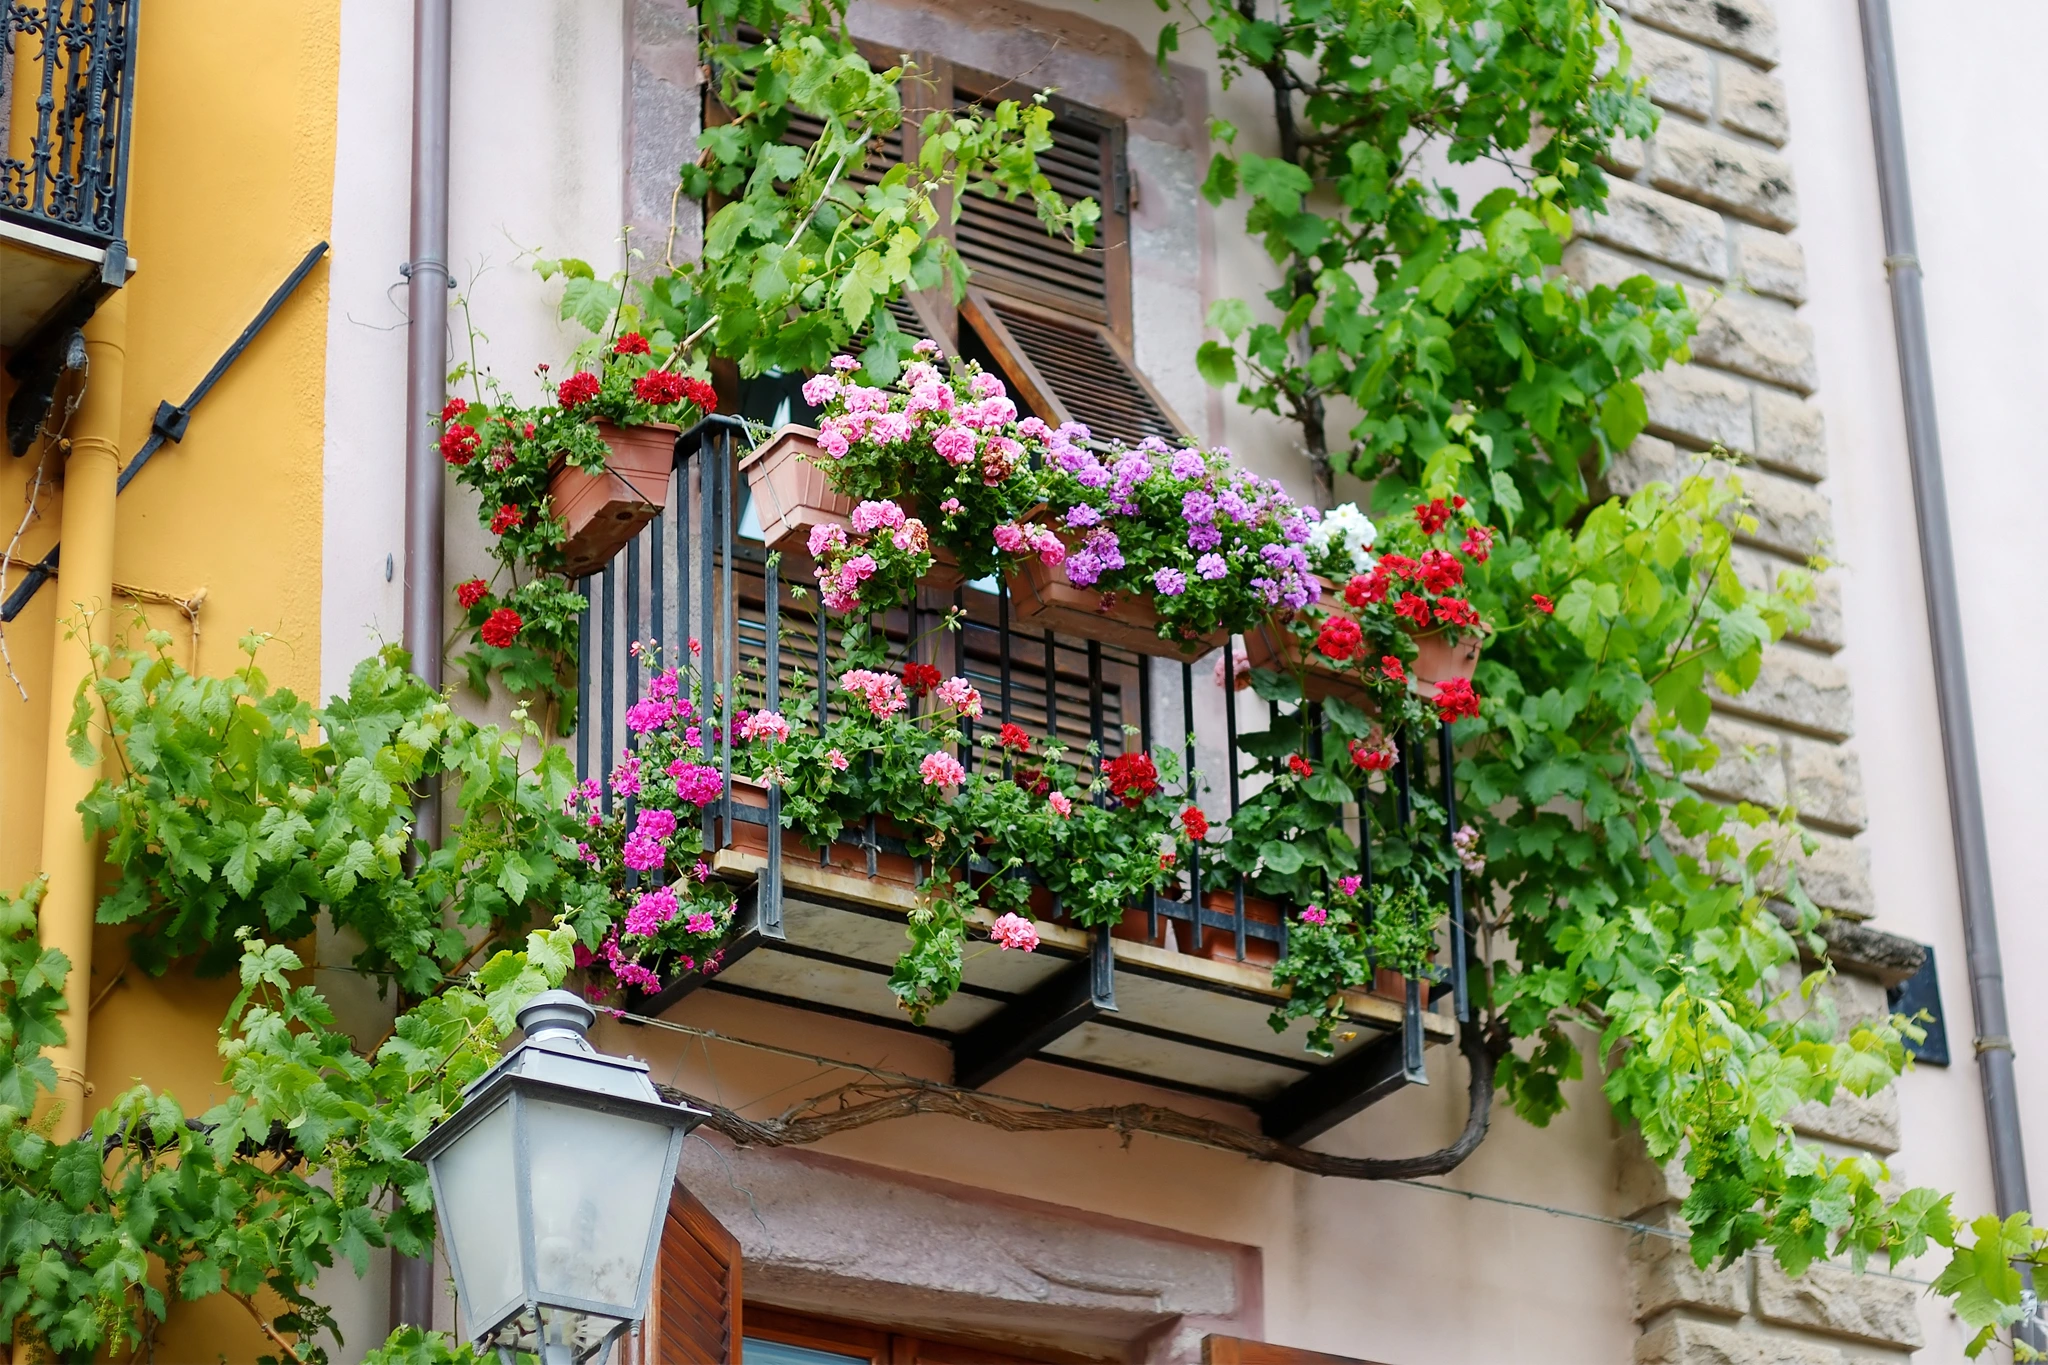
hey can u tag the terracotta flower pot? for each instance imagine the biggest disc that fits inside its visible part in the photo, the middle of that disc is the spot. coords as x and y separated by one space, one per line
1440 656
1041 594
607 509
792 493
1272 645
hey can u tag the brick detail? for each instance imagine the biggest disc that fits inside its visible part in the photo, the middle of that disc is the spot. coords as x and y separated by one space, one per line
1799 690
1676 74
1830 1299
1751 102
1827 783
1697 407
1790 434
1792 518
1748 28
1823 630
1664 1277
1854 1120
1751 765
1659 227
1682 1341
1836 876
1722 173
1770 263
1761 339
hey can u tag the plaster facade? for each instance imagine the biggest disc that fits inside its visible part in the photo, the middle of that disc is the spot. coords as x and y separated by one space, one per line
285 505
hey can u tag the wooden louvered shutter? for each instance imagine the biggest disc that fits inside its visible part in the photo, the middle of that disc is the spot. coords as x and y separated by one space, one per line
1069 368
694 1315
1236 1351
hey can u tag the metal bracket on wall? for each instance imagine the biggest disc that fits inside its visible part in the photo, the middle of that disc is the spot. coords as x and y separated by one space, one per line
170 422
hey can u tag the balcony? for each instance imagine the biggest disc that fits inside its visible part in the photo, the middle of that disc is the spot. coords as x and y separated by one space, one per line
1178 995
67 76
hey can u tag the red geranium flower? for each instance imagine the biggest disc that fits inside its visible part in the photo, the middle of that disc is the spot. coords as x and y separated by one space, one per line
508 517
1195 823
1455 700
1340 638
579 387
918 679
454 408
1391 666
1478 543
1358 592
459 443
1456 611
1413 608
1372 759
1132 777
1542 603
1400 566
1441 571
1013 737
700 392
659 387
1299 766
632 343
1433 516
470 593
501 627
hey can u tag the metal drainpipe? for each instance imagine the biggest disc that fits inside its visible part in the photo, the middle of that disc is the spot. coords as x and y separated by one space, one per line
91 469
426 381
1944 620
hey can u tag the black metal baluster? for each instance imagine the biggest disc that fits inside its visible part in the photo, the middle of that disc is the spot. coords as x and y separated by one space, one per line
707 588
769 903
728 627
1187 713
585 656
1003 655
633 633
1230 750
657 571
608 680
1461 930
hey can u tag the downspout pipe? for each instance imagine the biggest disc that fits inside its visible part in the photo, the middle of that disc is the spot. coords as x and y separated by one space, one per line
426 383
1944 620
85 618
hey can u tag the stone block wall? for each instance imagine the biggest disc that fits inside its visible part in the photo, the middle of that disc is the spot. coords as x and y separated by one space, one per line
1711 202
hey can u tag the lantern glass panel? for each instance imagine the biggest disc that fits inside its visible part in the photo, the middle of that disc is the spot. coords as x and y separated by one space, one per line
478 1183
596 1179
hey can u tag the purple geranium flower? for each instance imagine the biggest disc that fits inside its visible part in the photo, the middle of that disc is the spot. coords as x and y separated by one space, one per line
1211 567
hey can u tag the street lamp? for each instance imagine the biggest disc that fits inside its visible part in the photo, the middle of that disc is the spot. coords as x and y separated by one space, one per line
552 1183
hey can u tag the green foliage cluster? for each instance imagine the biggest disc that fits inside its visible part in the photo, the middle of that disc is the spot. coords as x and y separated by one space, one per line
300 1168
1459 361
798 257
242 807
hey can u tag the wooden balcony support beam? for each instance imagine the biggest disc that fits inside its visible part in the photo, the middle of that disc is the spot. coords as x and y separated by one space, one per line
1026 1025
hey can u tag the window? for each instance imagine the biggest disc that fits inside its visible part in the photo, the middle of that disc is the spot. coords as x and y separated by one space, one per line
1056 324
773 1337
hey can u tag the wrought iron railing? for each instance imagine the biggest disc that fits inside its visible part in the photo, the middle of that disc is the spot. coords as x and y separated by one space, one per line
694 578
70 77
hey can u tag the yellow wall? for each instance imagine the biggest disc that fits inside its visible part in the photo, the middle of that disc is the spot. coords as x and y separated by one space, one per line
231 181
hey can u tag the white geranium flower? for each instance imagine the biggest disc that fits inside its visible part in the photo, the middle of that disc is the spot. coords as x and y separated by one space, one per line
1347 531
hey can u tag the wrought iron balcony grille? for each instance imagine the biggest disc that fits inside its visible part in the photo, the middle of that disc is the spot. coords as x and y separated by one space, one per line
695 575
66 172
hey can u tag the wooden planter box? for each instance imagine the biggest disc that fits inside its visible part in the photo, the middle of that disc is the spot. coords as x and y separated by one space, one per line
1042 596
606 510
792 493
1439 658
749 840
1272 645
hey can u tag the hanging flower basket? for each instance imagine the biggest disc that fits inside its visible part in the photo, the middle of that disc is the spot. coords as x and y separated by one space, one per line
1273 644
1042 595
607 509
